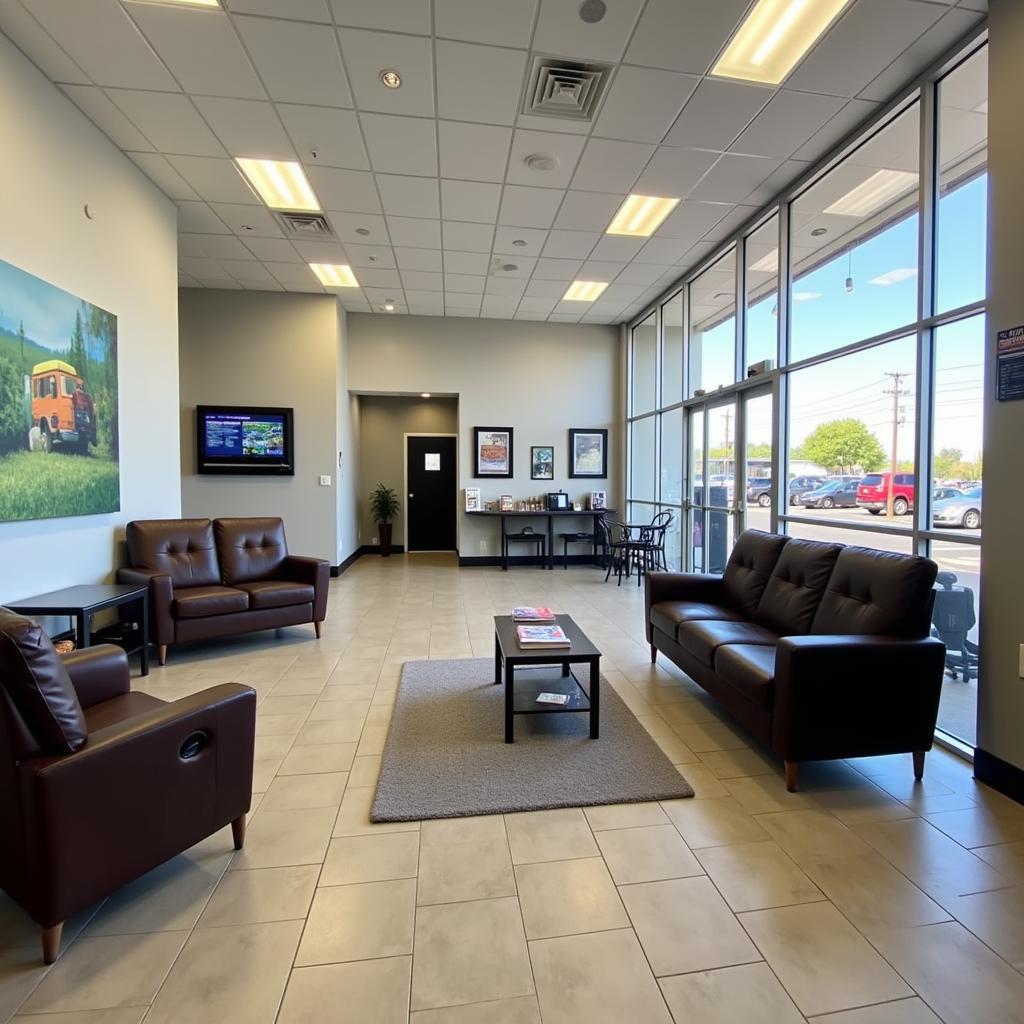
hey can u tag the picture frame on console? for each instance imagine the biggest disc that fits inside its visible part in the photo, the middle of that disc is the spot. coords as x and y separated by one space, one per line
492 452
542 462
588 453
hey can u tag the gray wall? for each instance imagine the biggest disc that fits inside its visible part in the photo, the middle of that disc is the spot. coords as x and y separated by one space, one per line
538 378
1001 698
383 422
268 348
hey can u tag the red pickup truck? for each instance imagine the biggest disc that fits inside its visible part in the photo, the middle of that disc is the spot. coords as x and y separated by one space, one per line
873 493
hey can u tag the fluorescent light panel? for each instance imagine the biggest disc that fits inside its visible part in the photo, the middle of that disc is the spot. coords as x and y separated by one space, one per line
641 215
774 37
335 275
767 264
281 184
180 3
882 187
584 291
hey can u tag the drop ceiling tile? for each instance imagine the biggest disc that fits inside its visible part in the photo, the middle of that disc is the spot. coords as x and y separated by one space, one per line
570 244
212 247
565 149
528 207
383 278
244 221
505 239
734 177
169 121
208 272
674 172
621 293
684 35
500 306
840 126
248 272
610 166
477 263
352 305
661 251
201 48
475 151
418 232
643 274
404 196
102 40
380 295
349 191
187 281
548 269
366 54
92 101
422 280
469 283
587 211
642 104
269 285
468 237
479 83
392 15
600 270
787 122
779 179
419 309
362 228
536 304
417 297
163 175
716 113
470 200
418 259
497 22
471 312
564 318
295 276
298 62
332 134
273 250
730 223
401 145
507 286
248 128
216 181
32 39
320 252
620 248
300 10
539 288
378 257
198 218
522 266
561 31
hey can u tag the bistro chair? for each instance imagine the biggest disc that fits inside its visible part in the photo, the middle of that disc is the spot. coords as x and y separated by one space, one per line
616 545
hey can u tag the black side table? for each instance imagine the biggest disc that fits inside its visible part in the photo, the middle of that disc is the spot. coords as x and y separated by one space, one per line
81 603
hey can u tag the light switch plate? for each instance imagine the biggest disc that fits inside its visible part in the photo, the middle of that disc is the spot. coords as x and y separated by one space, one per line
325 481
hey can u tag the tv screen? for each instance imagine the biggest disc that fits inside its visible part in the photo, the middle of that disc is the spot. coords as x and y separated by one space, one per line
244 439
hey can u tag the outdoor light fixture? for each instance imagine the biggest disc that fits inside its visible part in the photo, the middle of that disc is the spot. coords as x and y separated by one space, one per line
641 215
281 184
870 195
584 291
773 38
335 275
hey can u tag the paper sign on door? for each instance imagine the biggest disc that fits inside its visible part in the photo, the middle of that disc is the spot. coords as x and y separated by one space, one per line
432 461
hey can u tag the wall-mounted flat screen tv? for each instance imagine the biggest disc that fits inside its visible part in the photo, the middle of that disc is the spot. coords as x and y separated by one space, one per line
239 439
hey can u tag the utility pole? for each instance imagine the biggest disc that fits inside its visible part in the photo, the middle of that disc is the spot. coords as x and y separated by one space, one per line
897 393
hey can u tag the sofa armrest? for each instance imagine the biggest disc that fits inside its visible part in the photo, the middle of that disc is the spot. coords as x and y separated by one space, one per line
681 586
161 594
314 571
851 696
98 673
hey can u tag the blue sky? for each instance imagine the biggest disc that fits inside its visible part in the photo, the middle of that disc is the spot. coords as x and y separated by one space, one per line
47 311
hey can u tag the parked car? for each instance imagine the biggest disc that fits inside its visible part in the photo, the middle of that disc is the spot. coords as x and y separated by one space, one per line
942 493
834 494
759 490
800 485
963 511
873 493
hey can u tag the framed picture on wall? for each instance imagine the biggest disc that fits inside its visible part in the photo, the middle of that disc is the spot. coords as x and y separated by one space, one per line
492 448
588 453
542 462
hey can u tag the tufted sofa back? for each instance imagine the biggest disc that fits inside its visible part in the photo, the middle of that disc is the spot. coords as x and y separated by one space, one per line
249 549
797 583
182 548
750 566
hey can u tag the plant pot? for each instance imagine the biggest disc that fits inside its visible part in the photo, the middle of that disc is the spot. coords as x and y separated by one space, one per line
384 536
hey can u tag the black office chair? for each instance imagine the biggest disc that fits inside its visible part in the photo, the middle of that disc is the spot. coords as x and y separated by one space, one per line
953 617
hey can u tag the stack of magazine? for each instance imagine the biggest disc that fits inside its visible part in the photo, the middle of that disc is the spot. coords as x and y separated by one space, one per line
534 615
538 628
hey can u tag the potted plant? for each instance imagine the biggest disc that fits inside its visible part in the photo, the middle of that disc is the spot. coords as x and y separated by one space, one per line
384 507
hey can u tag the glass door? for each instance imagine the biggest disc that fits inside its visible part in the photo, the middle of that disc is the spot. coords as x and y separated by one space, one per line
711 488
757 409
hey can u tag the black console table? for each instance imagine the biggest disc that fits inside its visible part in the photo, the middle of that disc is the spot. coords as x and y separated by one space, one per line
550 516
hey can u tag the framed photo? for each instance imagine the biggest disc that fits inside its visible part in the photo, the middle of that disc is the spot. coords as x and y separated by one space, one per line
472 499
492 448
542 462
505 503
597 501
588 453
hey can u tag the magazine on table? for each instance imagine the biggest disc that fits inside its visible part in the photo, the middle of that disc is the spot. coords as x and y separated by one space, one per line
552 698
542 636
530 614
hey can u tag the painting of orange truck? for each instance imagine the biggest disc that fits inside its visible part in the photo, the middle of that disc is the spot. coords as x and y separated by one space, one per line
63 418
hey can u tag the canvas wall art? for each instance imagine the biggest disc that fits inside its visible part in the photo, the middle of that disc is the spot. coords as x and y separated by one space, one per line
493 451
588 452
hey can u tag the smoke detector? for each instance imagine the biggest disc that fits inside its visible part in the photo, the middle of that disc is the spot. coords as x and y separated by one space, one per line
541 162
592 11
565 89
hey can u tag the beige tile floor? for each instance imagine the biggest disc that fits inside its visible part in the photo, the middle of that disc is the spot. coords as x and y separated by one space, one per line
864 899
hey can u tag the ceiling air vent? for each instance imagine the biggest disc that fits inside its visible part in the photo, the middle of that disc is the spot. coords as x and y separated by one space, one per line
565 89
305 225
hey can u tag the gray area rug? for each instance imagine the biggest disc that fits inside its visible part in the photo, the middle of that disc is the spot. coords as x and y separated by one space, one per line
445 755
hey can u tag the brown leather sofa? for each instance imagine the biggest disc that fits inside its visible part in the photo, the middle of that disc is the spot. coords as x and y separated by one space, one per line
101 784
821 651
221 577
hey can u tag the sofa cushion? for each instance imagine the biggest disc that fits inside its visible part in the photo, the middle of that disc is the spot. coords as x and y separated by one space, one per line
667 615
199 602
797 583
39 686
877 592
702 639
277 593
182 548
249 549
750 669
750 567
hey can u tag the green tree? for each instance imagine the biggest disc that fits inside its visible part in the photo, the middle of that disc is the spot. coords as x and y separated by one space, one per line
946 462
77 356
844 444
21 339
13 430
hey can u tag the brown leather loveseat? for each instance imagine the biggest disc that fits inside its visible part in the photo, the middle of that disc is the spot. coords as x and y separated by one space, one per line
221 577
821 651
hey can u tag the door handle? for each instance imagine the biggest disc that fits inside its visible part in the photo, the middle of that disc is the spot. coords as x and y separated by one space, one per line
411 495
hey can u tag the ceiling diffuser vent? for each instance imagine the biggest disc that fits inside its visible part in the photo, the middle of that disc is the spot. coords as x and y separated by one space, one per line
305 225
565 89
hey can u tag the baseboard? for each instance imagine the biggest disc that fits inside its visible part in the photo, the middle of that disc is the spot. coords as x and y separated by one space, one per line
1007 778
493 560
337 570
374 549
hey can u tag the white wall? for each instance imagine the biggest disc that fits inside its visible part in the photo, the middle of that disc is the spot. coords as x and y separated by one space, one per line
539 378
124 260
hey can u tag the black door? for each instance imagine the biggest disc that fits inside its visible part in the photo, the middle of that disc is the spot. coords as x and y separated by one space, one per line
430 500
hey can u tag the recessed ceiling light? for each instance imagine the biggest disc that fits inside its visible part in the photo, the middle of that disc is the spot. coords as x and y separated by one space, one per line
767 264
335 275
281 184
584 291
896 276
425 394
391 79
818 232
389 307
882 187
362 231
541 162
180 3
774 37
641 215
519 242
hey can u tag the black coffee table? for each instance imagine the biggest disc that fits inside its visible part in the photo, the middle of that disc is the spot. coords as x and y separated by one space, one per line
81 603
521 694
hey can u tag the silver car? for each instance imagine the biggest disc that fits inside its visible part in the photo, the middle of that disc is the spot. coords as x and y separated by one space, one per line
964 511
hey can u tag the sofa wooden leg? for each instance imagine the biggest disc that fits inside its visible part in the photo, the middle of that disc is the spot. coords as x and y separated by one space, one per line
654 654
791 771
318 626
161 653
51 942
238 832
919 764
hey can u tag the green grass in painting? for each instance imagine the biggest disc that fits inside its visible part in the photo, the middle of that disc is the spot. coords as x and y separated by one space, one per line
41 485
